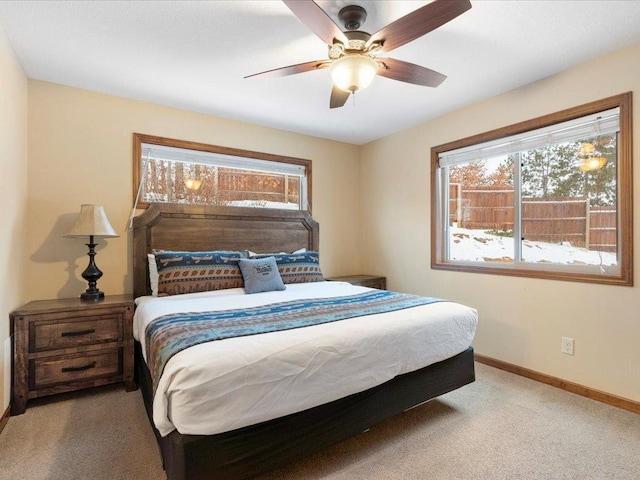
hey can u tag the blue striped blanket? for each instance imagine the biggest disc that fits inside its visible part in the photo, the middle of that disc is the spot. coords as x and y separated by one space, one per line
172 333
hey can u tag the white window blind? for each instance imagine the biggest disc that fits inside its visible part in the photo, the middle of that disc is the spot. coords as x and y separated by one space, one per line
174 154
600 123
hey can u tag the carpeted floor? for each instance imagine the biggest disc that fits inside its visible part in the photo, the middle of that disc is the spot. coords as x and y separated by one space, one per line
500 427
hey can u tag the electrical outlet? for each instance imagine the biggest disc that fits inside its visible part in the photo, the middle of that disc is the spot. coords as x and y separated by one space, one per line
567 346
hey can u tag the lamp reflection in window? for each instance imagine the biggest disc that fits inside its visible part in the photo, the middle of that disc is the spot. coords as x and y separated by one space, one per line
192 183
589 158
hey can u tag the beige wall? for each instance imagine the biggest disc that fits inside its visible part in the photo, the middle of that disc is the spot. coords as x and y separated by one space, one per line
80 151
13 197
521 320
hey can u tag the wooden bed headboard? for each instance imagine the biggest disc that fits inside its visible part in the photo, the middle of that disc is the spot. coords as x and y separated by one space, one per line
200 228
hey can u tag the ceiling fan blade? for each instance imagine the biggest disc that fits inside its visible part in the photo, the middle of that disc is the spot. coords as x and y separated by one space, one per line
410 73
338 97
309 13
292 69
419 23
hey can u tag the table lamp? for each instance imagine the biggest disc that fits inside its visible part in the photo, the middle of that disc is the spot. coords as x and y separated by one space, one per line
92 222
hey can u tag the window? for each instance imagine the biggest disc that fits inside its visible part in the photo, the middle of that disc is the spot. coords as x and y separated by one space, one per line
176 171
546 198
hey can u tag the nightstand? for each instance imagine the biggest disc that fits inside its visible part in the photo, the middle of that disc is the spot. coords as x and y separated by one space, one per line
68 344
370 281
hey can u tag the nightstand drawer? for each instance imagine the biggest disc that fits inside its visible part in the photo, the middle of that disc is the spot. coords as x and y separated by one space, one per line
54 335
56 370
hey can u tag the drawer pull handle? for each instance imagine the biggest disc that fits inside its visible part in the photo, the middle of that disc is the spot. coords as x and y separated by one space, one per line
79 369
78 333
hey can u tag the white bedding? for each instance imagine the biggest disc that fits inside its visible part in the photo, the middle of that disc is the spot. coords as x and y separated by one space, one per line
226 384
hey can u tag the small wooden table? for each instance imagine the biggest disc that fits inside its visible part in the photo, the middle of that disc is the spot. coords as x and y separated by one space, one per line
64 345
370 281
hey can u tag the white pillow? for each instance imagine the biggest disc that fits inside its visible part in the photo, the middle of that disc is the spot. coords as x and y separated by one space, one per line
153 274
251 254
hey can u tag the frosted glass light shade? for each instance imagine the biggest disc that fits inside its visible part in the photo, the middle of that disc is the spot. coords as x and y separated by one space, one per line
91 221
352 73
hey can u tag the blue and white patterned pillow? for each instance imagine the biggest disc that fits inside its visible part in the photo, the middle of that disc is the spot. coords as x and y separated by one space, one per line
299 267
190 272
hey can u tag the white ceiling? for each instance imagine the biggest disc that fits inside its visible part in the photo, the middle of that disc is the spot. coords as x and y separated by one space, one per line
194 55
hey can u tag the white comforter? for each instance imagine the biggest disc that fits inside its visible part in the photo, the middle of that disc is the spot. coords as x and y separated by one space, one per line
222 385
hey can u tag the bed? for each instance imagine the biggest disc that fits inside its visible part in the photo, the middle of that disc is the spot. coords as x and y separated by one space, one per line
253 436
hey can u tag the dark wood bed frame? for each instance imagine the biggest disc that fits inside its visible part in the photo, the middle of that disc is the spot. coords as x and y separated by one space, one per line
252 450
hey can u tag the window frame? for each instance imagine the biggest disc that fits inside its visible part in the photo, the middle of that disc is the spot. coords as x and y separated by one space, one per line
139 139
624 198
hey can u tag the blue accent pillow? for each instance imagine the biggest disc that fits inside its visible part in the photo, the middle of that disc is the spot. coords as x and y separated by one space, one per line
260 275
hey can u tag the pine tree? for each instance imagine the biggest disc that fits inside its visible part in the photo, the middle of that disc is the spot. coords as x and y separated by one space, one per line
552 172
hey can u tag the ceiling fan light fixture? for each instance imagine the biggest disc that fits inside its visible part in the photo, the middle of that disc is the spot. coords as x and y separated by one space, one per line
353 73
352 51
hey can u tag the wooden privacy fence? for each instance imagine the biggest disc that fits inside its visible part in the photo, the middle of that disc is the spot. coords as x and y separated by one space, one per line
247 185
219 186
552 220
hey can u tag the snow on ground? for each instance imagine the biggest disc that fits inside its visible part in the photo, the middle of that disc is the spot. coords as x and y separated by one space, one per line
478 246
263 204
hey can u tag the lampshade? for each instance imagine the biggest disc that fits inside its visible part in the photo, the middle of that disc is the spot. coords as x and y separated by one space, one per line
352 73
92 221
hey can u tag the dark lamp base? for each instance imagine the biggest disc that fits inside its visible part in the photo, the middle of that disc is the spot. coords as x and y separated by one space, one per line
92 274
92 295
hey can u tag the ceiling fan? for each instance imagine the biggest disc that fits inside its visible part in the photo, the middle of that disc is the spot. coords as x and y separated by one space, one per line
353 54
